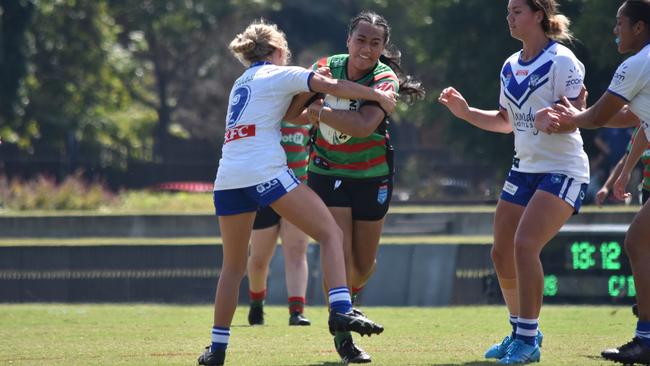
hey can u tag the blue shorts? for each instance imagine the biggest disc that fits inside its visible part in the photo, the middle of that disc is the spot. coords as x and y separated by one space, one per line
249 199
520 187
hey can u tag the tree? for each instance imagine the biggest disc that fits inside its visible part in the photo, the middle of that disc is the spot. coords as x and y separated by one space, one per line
15 16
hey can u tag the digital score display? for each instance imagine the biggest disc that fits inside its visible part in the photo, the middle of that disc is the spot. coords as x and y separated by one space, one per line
587 267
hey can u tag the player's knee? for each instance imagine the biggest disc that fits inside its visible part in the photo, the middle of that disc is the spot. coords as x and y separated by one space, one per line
233 272
526 249
364 266
295 256
500 257
332 235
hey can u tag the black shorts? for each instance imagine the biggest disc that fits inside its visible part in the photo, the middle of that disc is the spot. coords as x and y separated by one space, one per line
644 196
265 218
368 198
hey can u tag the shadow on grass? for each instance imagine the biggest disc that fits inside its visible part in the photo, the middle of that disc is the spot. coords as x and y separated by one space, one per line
470 363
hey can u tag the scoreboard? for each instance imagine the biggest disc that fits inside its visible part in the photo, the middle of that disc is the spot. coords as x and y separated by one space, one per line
588 264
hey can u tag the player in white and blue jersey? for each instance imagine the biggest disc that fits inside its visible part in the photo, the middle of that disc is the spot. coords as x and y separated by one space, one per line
253 173
630 87
549 173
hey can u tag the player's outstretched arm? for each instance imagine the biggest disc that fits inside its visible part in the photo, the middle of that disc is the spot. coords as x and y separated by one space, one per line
495 121
639 145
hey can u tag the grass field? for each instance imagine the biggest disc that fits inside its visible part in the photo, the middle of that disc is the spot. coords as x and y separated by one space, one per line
54 334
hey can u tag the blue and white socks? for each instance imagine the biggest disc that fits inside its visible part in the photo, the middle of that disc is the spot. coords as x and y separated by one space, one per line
513 323
340 300
643 332
220 337
527 330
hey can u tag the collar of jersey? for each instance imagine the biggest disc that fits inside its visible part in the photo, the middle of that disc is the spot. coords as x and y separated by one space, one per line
361 78
260 63
548 45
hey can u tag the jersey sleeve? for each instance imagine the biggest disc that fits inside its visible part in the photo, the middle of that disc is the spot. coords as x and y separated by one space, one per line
503 80
294 79
629 79
386 81
569 78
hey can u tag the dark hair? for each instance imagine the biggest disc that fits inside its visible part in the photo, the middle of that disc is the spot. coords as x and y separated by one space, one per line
637 11
409 88
554 24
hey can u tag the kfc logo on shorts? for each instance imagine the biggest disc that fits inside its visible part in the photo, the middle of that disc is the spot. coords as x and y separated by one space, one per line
239 132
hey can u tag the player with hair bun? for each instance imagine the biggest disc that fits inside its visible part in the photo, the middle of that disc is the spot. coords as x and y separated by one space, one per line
253 173
549 173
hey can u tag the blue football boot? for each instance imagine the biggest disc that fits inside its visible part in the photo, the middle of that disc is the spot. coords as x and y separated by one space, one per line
499 350
520 353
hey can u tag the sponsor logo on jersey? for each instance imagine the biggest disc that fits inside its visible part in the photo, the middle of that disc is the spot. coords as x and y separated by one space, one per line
523 121
522 73
266 186
534 80
385 86
619 75
573 83
239 132
294 138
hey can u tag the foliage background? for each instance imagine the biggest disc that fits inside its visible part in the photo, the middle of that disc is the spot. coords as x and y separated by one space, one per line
134 92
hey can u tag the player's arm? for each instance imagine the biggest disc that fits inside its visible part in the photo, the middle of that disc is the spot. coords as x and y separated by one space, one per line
624 118
494 121
295 111
639 145
604 191
359 123
351 90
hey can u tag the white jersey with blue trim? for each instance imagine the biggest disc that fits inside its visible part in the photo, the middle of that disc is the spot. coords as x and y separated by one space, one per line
632 83
527 87
252 153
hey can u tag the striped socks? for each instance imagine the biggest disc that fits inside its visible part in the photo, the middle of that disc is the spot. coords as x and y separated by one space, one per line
513 323
339 299
527 330
220 337
296 305
643 332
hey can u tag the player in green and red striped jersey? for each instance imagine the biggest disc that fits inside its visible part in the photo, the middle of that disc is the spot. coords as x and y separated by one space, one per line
604 191
266 229
351 165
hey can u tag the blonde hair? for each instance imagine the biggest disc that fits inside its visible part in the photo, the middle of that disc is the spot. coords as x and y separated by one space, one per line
257 42
554 24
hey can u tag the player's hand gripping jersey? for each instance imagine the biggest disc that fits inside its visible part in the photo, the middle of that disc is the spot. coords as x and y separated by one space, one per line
341 155
632 83
252 152
527 87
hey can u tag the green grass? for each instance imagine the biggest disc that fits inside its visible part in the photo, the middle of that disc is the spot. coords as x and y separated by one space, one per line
53 334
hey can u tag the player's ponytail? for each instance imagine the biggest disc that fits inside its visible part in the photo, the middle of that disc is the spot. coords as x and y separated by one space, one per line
410 89
257 42
554 24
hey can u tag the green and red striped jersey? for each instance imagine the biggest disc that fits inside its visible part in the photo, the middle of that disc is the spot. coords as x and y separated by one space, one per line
357 157
294 142
645 160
